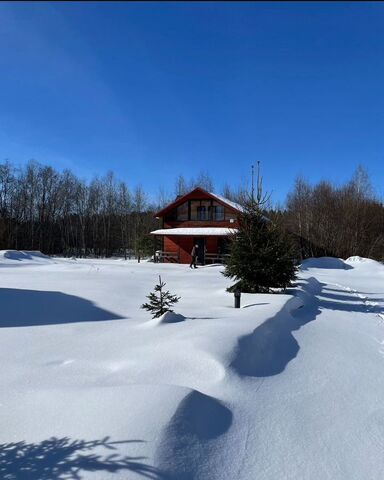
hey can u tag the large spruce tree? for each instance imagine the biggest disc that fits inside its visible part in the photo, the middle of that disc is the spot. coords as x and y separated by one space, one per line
262 255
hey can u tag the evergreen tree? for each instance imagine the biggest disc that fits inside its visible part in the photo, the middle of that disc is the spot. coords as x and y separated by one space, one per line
262 255
160 302
144 246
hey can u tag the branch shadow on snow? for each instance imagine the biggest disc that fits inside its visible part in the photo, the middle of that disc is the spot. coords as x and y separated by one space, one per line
201 318
355 305
333 297
362 293
346 301
25 308
255 304
67 459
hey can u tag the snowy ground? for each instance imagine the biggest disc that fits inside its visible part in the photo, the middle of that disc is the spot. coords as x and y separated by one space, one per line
287 387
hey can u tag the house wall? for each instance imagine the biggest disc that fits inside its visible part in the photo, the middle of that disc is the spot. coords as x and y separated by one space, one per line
180 245
211 244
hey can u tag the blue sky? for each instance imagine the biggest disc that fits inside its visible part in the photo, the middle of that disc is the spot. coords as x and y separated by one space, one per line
153 90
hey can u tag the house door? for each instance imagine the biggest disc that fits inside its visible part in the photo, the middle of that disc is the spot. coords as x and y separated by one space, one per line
200 241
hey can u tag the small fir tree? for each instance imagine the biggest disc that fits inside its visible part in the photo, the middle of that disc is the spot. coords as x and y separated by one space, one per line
262 256
160 302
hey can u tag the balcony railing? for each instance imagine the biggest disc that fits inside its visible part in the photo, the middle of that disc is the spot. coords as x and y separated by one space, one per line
216 257
162 256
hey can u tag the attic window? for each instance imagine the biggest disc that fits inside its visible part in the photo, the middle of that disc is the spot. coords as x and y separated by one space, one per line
200 209
216 212
182 212
206 210
201 213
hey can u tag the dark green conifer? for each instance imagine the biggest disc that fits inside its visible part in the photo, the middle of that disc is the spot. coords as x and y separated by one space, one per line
160 302
262 255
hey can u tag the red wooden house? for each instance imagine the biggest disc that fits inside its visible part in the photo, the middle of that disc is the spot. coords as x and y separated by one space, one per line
197 218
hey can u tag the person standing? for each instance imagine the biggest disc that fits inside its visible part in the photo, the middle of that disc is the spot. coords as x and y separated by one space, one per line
194 256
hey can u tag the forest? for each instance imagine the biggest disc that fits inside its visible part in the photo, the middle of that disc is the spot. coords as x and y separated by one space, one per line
55 212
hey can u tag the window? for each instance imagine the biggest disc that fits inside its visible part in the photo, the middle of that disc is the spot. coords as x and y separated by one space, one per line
203 210
201 213
216 212
182 212
200 210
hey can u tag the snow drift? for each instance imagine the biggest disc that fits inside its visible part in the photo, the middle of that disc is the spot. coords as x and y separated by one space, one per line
356 260
325 262
268 391
24 256
170 317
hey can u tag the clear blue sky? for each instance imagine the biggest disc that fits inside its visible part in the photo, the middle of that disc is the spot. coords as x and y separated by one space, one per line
153 90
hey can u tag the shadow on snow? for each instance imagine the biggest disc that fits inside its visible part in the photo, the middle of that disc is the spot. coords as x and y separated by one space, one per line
24 308
66 459
189 439
271 346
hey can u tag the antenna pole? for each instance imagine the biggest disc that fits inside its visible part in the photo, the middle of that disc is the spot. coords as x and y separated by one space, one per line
258 183
253 186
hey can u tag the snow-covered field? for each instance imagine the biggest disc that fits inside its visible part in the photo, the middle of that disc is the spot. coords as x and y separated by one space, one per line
287 387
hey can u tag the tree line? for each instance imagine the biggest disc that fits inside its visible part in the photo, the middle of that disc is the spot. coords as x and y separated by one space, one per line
325 219
55 212
339 221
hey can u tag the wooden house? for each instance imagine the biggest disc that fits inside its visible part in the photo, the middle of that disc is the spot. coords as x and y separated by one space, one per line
196 218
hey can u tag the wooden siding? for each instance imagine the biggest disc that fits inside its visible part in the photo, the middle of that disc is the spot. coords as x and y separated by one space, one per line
180 245
211 244
183 246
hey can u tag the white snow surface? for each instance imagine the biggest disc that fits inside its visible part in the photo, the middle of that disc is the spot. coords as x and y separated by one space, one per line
205 231
352 260
287 387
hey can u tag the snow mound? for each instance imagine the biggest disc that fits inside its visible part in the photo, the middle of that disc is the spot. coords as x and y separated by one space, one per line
325 262
187 449
27 256
169 317
356 260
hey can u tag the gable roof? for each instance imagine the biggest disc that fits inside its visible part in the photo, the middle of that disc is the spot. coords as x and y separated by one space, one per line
222 200
228 203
